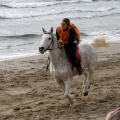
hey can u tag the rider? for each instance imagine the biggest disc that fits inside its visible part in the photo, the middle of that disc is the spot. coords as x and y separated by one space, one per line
66 36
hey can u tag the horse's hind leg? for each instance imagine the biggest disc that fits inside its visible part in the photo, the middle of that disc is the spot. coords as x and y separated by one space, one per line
90 69
85 83
88 79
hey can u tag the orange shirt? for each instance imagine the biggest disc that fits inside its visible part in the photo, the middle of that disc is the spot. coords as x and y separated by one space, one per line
64 35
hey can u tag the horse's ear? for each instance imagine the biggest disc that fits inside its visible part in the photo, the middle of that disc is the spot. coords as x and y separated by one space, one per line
43 30
52 29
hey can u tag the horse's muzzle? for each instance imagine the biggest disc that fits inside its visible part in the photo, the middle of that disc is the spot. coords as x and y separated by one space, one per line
41 50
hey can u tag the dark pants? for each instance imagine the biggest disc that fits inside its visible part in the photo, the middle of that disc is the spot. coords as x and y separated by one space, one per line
71 54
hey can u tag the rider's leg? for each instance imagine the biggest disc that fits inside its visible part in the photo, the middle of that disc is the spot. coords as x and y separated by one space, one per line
71 53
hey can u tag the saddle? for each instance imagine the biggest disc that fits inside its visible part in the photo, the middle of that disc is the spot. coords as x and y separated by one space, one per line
77 53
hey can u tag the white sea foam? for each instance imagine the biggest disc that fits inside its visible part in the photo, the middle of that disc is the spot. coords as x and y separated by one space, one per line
86 0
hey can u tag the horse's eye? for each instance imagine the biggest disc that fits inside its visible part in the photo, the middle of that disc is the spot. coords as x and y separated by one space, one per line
49 38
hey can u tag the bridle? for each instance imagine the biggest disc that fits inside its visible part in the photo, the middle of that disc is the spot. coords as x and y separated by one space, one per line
52 42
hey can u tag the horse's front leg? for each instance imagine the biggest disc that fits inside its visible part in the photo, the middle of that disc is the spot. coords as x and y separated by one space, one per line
61 83
67 94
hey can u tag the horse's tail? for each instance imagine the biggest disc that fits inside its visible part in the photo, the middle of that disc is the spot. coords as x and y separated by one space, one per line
100 42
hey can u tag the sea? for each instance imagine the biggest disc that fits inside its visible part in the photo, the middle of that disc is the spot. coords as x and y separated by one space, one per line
21 22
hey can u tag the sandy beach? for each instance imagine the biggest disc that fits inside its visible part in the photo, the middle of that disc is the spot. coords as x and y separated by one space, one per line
29 92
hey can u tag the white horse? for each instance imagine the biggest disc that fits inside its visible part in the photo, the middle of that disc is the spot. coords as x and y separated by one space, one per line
60 68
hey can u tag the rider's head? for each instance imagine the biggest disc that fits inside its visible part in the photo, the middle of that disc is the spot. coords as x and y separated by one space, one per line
65 23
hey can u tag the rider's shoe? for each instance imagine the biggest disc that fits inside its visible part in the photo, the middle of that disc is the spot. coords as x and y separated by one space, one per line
80 71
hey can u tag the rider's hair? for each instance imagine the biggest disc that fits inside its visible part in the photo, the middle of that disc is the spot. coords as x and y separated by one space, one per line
67 21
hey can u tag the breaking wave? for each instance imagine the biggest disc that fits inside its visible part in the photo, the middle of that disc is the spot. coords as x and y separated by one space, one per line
23 36
39 4
33 15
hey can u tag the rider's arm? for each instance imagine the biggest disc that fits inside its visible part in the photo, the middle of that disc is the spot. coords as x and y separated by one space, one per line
72 34
58 39
57 36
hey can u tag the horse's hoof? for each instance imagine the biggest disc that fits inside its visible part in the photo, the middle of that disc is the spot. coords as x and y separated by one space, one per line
86 93
71 102
88 87
76 95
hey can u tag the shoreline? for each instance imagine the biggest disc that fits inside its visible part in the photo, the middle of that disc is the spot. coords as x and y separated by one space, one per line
111 51
19 62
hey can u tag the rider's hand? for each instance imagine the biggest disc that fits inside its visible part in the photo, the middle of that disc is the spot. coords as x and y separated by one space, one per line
60 45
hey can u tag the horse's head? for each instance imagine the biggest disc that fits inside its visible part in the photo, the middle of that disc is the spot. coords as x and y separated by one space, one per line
46 41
